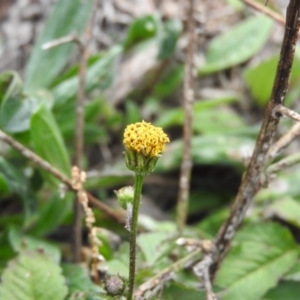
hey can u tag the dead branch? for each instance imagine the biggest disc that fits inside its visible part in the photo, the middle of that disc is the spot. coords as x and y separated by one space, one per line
251 182
285 140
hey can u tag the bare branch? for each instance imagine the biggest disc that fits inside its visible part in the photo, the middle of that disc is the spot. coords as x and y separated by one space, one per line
284 163
282 110
156 283
265 10
251 180
286 139
188 95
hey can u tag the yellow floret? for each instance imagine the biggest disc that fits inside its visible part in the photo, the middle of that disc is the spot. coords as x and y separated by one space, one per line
145 138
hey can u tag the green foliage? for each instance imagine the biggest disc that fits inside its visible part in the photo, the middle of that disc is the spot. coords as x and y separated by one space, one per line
47 139
263 263
237 44
32 276
45 65
262 254
260 79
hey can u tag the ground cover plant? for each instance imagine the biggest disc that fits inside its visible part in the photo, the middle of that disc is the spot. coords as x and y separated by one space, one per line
149 150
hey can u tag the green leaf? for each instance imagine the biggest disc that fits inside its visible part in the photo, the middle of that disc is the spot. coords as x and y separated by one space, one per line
168 40
141 29
99 75
169 83
153 245
16 107
52 214
293 273
176 116
262 254
78 280
286 209
20 242
47 140
208 149
260 78
237 44
68 17
32 276
4 186
20 185
287 290
178 291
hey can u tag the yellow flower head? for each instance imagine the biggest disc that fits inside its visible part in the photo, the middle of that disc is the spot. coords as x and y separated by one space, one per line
144 143
145 138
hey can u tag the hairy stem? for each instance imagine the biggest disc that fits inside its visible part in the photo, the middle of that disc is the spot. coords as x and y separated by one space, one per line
133 231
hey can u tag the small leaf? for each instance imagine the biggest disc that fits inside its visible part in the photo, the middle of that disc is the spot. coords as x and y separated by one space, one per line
260 78
170 34
237 44
47 140
141 29
45 65
32 276
263 253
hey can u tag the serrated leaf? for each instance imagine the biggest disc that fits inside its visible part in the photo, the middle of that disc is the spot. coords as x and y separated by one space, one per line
237 44
78 280
287 290
263 253
152 245
32 276
47 140
45 65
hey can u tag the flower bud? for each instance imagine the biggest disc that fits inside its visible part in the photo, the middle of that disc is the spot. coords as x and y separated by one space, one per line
125 195
114 285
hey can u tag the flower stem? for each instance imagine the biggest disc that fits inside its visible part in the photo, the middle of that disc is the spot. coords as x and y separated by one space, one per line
139 178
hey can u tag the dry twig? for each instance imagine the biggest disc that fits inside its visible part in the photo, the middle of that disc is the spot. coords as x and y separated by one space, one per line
265 10
77 181
188 95
285 140
251 182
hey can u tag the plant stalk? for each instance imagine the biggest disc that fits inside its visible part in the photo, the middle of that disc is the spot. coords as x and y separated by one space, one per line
139 178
